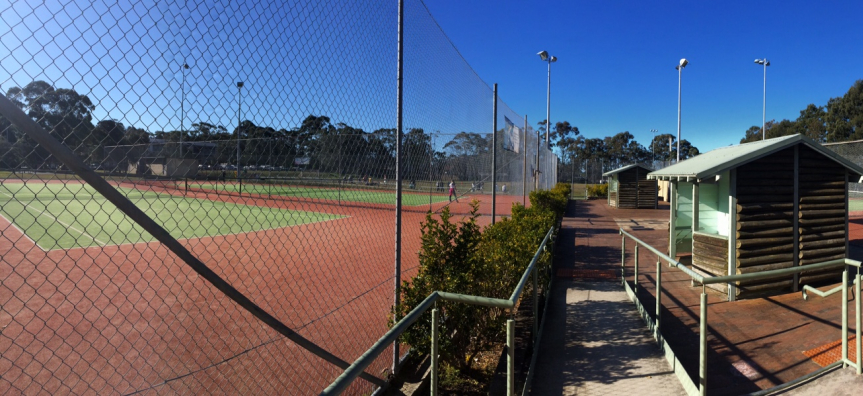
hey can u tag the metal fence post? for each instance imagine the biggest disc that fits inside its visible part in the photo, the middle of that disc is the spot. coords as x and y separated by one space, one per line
494 158
623 259
536 305
524 171
399 113
434 353
635 270
702 355
858 307
510 357
845 317
658 296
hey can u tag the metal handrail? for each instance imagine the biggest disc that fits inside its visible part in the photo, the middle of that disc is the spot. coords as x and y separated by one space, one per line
353 371
704 281
809 289
674 263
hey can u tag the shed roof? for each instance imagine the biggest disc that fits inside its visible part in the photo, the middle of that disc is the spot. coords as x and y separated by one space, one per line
722 159
625 168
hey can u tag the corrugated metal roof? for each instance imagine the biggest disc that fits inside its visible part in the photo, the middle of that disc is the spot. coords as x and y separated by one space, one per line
719 160
628 167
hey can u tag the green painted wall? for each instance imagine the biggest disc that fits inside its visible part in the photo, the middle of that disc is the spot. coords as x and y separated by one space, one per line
713 216
683 226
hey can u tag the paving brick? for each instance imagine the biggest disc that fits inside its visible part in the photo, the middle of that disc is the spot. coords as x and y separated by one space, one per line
753 344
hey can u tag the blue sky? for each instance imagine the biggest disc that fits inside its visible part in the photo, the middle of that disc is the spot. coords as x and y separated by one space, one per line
616 60
615 70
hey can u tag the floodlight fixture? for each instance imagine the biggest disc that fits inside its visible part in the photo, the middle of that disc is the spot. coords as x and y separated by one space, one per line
182 107
548 59
766 63
679 67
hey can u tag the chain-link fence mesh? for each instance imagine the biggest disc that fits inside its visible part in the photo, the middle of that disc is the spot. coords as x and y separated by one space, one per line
261 135
852 151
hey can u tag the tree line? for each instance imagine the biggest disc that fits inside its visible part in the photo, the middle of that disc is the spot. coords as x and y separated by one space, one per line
841 119
585 159
316 143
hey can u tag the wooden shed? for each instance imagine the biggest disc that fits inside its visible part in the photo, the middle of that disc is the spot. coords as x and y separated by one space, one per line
767 205
628 187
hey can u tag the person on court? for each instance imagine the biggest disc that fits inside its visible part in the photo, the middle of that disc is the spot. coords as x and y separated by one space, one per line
452 191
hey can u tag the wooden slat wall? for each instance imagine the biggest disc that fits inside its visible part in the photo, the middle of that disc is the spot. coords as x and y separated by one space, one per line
647 193
765 210
710 253
634 191
822 214
627 189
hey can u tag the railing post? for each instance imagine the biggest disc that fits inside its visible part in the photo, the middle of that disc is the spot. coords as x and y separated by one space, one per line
658 296
622 259
858 307
434 353
635 275
535 305
702 357
845 317
510 357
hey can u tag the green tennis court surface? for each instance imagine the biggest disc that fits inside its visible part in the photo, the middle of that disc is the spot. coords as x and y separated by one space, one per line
324 193
58 216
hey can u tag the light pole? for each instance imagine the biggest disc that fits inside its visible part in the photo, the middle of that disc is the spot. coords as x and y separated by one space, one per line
766 63
679 67
239 125
548 59
183 109
653 147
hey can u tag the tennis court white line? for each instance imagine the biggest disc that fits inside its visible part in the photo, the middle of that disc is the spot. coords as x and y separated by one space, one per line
23 233
69 226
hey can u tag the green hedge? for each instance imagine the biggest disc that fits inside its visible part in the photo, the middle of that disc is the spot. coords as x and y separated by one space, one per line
597 190
459 257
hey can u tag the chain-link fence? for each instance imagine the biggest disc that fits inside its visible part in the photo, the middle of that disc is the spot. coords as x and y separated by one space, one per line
253 146
853 151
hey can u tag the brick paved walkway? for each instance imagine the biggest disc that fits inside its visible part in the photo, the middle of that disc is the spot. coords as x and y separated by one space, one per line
594 341
753 344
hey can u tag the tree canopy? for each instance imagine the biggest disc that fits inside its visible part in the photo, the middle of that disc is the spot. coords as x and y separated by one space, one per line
841 119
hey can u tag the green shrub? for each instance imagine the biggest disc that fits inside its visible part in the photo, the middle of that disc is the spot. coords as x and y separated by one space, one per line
553 200
448 262
597 190
564 189
458 257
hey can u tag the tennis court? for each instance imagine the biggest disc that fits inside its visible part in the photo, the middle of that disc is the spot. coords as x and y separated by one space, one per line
855 198
72 215
350 193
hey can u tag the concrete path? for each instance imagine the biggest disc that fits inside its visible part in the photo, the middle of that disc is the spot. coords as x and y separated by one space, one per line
594 342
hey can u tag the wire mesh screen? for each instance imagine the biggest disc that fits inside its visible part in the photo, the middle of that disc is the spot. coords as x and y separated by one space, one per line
261 135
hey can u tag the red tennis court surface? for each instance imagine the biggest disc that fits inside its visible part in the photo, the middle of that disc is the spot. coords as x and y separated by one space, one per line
133 318
855 229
